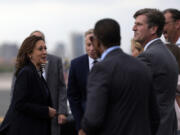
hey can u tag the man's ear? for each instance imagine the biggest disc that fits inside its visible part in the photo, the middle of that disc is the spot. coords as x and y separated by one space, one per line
101 46
153 30
177 24
98 43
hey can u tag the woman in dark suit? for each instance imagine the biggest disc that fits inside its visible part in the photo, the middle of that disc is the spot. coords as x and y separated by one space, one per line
30 110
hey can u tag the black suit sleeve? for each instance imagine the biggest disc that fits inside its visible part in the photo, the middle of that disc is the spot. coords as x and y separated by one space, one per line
22 97
97 100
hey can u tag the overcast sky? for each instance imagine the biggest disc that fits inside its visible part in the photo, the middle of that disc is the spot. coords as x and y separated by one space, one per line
59 18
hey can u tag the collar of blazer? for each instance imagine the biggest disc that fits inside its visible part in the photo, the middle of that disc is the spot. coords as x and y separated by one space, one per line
155 42
35 73
113 52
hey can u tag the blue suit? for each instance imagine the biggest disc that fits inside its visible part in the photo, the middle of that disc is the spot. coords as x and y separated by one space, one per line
76 90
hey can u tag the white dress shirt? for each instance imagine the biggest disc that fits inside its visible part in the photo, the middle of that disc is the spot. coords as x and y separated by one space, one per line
91 62
177 114
178 42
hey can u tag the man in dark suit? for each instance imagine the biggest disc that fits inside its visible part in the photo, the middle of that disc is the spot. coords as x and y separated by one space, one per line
77 80
54 77
147 29
120 99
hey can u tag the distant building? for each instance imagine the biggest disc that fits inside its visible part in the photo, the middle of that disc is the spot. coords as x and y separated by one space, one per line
77 44
8 52
60 50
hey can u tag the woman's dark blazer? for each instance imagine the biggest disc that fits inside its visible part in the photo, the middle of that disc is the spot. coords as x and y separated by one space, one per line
28 113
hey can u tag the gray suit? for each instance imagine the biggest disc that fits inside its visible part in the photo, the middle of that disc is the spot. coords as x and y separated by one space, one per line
55 81
165 74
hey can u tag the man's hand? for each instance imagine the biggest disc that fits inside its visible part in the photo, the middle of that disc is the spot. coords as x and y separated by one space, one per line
62 119
81 132
52 112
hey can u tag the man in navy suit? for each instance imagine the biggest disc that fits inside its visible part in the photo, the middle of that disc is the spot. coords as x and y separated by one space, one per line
79 70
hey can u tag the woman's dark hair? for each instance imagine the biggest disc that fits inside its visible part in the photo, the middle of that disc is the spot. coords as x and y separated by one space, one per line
26 48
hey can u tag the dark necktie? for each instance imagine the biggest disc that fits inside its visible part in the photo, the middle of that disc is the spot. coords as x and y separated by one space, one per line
95 61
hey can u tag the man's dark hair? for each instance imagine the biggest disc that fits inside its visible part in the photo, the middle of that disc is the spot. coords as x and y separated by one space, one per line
107 32
174 12
154 18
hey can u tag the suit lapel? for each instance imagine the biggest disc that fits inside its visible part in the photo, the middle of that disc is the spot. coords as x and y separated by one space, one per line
156 42
87 64
39 80
113 52
86 68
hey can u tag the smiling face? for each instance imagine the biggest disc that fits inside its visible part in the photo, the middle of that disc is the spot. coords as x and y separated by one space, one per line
170 28
39 54
142 32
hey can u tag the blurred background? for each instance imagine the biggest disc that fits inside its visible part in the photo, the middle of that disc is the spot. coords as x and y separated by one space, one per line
63 22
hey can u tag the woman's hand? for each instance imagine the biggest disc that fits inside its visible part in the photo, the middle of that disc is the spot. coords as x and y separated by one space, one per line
52 112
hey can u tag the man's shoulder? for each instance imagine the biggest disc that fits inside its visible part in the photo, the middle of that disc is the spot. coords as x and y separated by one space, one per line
53 57
80 59
157 45
27 70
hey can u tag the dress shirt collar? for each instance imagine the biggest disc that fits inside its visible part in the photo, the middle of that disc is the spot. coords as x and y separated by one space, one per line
108 51
178 42
91 62
148 44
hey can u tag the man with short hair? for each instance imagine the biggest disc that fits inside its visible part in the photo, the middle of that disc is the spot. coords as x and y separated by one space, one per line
172 26
119 91
148 29
78 73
